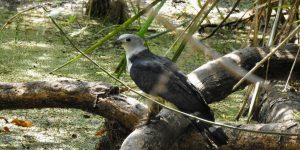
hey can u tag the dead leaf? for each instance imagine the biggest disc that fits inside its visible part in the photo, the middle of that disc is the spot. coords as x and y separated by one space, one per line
22 123
101 132
5 129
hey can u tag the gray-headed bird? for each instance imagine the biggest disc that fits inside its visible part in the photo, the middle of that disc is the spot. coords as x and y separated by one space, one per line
159 76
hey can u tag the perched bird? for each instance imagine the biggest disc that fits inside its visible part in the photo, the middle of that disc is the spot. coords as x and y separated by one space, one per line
159 76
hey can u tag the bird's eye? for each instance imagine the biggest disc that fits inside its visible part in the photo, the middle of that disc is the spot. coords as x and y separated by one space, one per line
128 39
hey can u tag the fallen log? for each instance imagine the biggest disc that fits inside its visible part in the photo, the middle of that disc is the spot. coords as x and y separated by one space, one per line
214 79
169 128
173 130
94 97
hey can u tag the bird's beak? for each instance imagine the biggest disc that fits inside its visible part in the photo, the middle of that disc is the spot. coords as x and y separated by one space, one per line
118 42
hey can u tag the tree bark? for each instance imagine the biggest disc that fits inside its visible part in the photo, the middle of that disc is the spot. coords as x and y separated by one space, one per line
215 79
115 11
94 97
165 134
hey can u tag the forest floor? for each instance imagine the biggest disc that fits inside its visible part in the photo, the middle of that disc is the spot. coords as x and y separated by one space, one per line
31 47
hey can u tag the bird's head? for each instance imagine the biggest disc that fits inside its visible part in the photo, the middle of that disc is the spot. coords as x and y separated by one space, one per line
130 42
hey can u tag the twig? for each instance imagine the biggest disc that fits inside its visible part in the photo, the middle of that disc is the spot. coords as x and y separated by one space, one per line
255 26
287 26
275 25
13 17
179 49
267 20
181 34
5 119
290 74
247 94
164 32
216 29
221 15
254 99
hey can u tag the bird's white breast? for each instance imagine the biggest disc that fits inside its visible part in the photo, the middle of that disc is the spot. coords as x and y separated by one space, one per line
130 53
129 64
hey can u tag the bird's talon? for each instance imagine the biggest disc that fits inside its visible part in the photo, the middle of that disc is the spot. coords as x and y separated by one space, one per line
140 124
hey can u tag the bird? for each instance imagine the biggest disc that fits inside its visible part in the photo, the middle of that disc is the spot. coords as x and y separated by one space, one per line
160 77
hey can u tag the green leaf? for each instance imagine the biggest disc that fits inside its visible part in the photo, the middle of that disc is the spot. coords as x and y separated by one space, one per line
192 28
150 19
72 19
298 21
283 6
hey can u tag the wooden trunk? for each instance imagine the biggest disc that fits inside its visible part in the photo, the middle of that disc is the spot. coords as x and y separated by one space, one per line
115 11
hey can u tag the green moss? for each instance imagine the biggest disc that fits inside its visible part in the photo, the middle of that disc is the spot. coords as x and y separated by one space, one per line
297 116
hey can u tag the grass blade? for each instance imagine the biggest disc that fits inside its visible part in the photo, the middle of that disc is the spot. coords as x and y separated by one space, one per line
110 35
192 29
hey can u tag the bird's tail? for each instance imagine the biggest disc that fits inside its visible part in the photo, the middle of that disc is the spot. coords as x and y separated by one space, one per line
213 133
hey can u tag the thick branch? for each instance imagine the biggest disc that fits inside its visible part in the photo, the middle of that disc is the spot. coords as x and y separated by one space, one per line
158 134
216 78
164 133
41 94
278 106
73 94
278 111
250 141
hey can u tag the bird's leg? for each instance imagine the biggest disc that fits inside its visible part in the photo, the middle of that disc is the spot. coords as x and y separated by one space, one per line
145 119
153 108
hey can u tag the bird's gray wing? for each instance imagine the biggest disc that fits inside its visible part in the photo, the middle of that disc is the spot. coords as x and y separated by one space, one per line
156 78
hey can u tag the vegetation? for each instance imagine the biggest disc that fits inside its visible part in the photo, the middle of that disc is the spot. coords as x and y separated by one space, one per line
31 47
